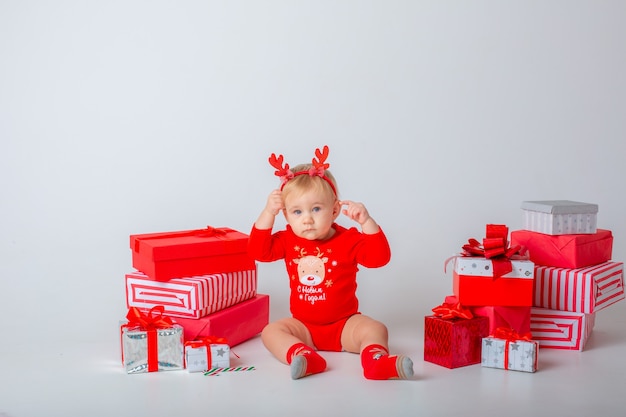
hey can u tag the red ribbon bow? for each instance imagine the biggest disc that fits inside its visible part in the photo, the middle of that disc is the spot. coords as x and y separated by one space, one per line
150 322
511 335
452 311
495 246
206 341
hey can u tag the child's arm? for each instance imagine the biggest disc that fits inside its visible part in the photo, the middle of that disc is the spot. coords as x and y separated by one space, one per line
273 206
358 213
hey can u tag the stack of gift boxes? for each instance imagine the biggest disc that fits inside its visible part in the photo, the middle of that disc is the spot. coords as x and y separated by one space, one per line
192 297
540 290
575 276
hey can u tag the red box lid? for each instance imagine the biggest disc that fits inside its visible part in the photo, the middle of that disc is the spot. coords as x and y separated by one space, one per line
189 243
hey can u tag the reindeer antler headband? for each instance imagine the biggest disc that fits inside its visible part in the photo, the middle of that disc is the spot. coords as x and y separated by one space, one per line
318 167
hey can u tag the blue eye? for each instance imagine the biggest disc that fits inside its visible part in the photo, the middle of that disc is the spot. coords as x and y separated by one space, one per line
316 209
297 212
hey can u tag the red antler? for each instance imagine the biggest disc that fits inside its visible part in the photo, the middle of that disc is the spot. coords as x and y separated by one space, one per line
277 162
319 161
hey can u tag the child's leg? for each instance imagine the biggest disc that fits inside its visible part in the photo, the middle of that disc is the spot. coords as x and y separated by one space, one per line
290 342
369 337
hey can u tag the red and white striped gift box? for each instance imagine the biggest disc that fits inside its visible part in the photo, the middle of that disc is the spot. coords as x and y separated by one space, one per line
192 297
584 290
558 329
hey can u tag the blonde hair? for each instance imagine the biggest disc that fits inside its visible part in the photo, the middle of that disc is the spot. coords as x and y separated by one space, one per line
302 183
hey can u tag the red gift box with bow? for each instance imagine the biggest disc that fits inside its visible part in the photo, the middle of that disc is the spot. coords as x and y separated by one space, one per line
187 253
453 336
493 273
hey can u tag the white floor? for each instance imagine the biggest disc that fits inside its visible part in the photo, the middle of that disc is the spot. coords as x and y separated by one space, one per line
45 377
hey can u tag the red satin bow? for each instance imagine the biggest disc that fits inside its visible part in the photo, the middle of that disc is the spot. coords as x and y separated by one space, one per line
511 335
206 341
494 247
452 311
150 323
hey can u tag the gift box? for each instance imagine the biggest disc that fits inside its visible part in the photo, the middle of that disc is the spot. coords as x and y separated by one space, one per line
204 354
583 290
191 296
507 350
559 217
566 251
163 256
151 342
236 324
556 329
474 284
454 342
516 318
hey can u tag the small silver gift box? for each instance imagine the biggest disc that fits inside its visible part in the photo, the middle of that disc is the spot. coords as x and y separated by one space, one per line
169 346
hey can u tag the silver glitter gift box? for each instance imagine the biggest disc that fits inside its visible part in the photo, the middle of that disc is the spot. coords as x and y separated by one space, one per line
169 349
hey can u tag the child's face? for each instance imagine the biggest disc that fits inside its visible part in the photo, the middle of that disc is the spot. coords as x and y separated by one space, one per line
311 214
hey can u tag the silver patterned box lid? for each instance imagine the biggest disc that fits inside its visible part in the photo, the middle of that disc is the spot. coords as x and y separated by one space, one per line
560 207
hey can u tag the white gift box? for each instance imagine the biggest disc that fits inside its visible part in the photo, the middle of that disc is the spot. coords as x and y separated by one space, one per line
203 358
559 217
556 329
519 355
191 297
584 290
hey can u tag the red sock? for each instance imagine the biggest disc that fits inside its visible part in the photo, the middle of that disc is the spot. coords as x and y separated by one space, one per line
378 364
304 361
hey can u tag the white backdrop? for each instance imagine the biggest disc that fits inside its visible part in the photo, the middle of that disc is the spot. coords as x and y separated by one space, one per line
124 117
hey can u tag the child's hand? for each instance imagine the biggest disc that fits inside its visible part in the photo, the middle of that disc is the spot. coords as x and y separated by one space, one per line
274 203
355 211
358 213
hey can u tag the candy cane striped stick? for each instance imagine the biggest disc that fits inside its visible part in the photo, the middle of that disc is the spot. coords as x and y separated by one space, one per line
217 371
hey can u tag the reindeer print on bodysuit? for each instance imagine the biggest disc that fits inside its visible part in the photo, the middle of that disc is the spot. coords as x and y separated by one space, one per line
311 274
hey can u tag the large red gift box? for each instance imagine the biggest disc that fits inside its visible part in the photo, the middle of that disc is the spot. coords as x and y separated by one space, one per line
455 342
565 251
191 296
473 282
236 324
556 329
584 290
162 256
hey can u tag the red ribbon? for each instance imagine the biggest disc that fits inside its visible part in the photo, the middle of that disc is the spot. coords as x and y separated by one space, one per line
509 335
205 341
149 323
209 231
495 246
452 311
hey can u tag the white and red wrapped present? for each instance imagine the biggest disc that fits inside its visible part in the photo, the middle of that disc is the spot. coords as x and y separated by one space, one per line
556 329
207 353
583 290
506 349
492 273
191 297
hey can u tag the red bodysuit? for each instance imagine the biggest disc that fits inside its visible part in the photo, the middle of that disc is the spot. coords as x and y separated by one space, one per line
322 274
